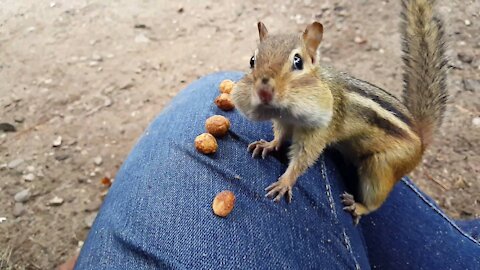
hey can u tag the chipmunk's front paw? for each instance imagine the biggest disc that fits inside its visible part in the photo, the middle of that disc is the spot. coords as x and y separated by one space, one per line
262 147
279 189
350 206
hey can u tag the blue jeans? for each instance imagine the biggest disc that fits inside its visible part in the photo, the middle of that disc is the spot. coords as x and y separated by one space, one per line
158 212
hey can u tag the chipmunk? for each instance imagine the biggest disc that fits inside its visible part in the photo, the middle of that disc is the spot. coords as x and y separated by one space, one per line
316 106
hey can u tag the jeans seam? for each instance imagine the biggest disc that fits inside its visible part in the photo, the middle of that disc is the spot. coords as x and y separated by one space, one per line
328 190
346 239
449 220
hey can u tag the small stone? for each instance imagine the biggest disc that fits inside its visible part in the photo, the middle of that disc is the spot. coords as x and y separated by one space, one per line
7 127
18 209
52 4
465 57
467 22
476 121
103 194
57 142
98 161
374 46
360 40
97 57
16 99
61 157
471 85
30 168
93 63
14 163
93 205
299 19
460 183
141 38
71 197
73 59
126 85
140 26
89 219
19 119
22 196
55 201
325 6
29 177
457 64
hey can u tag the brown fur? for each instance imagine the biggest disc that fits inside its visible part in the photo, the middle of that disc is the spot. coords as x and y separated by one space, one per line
425 67
372 118
317 106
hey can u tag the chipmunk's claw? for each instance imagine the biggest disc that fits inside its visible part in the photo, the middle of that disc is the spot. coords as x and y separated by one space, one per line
279 189
262 148
350 206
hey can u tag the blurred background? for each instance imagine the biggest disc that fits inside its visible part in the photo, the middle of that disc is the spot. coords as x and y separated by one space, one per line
80 81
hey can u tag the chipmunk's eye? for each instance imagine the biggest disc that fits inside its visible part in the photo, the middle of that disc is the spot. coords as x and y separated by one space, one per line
252 62
297 62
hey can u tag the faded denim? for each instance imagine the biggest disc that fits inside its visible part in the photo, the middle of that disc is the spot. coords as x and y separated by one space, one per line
158 214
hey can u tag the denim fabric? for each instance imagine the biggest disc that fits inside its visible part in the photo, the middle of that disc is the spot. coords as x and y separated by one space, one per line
414 232
158 212
471 227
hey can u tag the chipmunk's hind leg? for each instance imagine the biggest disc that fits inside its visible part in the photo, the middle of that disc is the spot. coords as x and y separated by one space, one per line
356 209
377 179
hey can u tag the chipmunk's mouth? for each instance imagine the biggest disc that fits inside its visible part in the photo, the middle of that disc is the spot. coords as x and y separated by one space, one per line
263 106
265 94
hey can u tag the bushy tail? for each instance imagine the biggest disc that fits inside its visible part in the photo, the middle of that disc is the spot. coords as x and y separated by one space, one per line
425 68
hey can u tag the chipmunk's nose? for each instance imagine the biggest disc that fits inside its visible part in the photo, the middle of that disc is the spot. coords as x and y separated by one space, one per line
265 93
265 80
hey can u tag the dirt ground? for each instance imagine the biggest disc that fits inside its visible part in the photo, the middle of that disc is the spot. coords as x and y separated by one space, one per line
80 80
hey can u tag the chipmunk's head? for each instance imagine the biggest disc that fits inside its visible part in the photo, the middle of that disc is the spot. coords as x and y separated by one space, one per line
283 82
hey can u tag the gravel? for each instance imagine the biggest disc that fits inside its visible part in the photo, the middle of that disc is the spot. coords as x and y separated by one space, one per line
22 196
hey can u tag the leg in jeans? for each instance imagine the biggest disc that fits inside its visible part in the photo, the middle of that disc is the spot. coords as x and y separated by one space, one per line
158 212
410 231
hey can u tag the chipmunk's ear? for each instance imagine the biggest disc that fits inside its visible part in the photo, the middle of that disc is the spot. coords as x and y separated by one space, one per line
262 31
312 36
